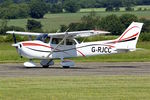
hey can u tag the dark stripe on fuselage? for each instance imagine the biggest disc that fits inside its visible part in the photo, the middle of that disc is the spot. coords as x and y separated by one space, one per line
128 40
134 38
70 48
37 50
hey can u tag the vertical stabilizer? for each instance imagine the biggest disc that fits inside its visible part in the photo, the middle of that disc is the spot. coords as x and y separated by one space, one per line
129 38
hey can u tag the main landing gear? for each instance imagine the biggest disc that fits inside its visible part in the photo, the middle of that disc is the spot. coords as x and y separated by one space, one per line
46 63
67 63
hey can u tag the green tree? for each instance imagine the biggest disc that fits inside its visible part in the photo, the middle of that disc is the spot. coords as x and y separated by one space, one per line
146 26
56 8
71 6
23 10
34 26
3 26
128 8
6 3
117 9
63 28
14 11
74 27
112 24
127 19
109 8
88 3
90 21
38 9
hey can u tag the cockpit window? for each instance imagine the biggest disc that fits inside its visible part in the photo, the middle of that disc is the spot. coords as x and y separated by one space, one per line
47 40
57 41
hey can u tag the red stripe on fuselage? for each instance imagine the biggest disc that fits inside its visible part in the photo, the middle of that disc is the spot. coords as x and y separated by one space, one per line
35 44
81 53
127 31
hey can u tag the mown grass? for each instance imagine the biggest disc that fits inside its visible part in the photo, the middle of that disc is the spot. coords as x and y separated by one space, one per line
76 88
9 54
52 22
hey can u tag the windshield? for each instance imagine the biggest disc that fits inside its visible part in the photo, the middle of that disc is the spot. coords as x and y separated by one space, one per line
42 37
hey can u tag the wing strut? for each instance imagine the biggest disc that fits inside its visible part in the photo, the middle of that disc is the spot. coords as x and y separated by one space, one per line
66 35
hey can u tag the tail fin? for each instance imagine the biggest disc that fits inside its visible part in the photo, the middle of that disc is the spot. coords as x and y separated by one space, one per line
129 38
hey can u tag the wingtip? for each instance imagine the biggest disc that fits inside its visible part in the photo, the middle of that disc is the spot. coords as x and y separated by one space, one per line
101 31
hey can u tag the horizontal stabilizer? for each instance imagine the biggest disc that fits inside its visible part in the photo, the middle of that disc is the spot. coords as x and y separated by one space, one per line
124 50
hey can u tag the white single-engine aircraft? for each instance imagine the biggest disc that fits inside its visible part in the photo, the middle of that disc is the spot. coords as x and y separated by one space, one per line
64 45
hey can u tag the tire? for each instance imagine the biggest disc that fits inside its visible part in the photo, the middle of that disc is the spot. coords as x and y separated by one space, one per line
45 66
66 66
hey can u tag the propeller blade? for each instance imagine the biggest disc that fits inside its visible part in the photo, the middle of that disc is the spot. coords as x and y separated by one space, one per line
14 37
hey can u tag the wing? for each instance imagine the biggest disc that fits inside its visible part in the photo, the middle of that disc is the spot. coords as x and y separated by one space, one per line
24 33
76 34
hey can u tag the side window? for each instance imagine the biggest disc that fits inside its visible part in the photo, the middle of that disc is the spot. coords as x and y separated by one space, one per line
70 42
57 41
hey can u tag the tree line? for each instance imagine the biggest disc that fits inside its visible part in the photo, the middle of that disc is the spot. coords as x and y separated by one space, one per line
13 9
35 8
112 23
92 3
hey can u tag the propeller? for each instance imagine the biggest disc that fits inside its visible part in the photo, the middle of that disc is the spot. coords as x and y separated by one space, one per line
14 38
15 44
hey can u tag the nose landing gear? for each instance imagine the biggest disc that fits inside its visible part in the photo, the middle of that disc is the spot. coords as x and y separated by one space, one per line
30 63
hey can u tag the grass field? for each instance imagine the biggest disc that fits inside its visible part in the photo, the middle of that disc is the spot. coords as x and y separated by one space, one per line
52 22
9 54
76 88
121 9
